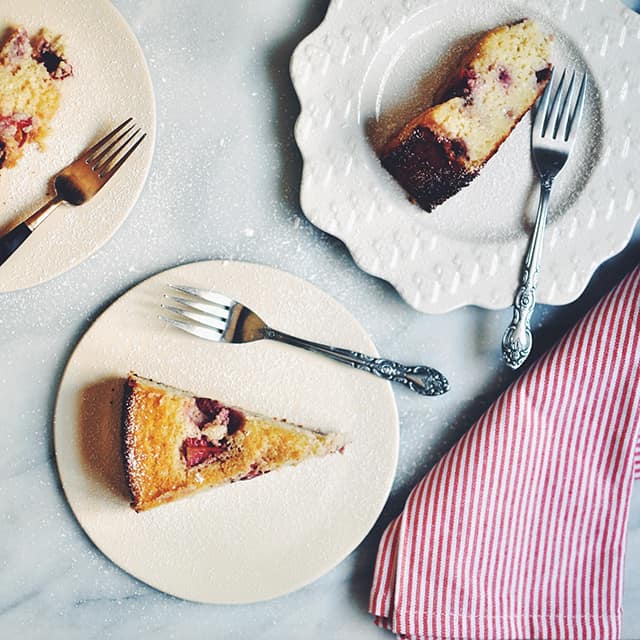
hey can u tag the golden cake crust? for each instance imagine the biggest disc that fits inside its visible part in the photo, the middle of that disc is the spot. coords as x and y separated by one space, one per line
163 432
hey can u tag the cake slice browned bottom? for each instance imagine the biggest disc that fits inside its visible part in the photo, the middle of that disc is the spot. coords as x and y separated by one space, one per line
442 150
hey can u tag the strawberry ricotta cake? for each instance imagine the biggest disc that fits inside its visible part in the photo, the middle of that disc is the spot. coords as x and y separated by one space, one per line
441 150
31 70
175 443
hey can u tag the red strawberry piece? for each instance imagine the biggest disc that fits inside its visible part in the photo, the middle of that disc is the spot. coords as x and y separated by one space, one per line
199 450
504 76
213 411
235 421
17 126
210 408
54 63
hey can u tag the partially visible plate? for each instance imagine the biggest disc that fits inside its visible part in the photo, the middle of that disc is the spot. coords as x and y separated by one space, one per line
111 83
250 540
369 67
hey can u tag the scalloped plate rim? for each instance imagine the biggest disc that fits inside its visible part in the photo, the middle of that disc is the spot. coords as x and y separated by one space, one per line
364 262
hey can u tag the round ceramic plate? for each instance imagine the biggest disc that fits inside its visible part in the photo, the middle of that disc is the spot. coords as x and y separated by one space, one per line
246 541
370 67
111 83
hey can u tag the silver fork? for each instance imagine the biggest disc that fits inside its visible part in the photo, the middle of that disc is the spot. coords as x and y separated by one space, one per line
216 317
554 132
79 181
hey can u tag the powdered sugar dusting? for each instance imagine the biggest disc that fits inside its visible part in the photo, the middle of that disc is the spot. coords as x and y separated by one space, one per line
466 250
348 489
499 208
110 84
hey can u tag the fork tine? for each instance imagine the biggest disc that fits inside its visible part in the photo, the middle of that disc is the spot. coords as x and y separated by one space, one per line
198 316
209 296
213 310
102 152
124 158
207 333
91 150
577 111
552 116
565 111
105 170
542 107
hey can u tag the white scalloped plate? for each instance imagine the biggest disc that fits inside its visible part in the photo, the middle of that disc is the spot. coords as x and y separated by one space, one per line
369 67
251 540
111 82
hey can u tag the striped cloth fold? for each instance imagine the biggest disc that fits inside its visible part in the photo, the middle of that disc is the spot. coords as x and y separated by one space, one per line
519 531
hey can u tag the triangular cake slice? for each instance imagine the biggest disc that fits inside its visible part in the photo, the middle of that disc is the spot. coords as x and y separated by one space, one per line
175 443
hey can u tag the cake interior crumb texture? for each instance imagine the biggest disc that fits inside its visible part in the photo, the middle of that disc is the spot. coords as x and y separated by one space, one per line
497 82
31 71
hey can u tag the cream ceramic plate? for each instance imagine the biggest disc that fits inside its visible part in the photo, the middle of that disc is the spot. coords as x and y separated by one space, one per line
370 66
251 540
111 82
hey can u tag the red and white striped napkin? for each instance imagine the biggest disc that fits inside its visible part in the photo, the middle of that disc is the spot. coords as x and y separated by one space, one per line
519 531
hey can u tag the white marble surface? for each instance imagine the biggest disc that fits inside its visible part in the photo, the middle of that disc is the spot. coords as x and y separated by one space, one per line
224 184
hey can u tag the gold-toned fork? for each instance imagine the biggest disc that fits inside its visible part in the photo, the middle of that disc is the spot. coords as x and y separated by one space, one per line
80 181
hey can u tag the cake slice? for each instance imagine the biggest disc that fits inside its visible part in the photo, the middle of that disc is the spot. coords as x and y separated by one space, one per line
441 150
30 71
175 443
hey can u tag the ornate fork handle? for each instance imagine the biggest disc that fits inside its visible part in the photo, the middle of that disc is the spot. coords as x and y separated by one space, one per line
422 379
517 340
